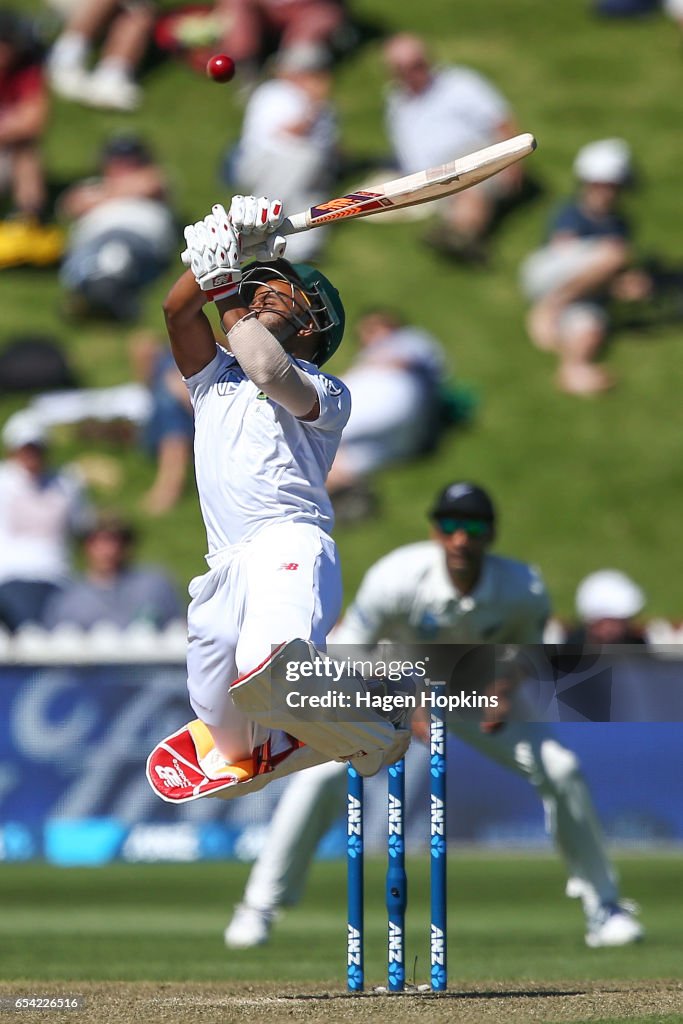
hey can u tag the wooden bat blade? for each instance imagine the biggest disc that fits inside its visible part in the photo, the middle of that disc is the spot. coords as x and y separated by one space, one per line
414 189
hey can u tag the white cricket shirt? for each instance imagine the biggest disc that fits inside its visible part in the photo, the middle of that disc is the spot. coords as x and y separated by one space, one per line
255 463
408 597
459 112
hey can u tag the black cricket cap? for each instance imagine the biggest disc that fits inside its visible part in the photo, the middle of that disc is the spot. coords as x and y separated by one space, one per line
464 500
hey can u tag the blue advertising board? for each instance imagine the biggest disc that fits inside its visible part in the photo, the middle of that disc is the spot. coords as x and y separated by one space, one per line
74 740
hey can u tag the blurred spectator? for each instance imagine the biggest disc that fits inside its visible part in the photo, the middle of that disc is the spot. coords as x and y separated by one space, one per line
257 28
168 433
126 26
123 232
24 112
40 510
288 146
112 589
395 384
607 603
25 238
586 261
156 405
674 8
438 114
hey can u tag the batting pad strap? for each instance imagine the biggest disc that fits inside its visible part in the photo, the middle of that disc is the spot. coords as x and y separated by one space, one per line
271 369
271 697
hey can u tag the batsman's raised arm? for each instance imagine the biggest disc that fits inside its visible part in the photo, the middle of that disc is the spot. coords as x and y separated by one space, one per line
192 340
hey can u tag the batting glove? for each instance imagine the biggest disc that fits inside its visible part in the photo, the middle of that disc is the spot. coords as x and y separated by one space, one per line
214 254
257 219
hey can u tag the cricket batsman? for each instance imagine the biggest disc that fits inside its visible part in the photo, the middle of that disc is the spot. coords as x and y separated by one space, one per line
268 422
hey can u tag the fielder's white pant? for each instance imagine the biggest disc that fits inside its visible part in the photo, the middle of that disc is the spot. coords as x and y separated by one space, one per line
283 584
314 798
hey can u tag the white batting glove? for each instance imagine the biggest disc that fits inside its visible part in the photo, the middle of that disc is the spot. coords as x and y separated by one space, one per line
214 254
257 219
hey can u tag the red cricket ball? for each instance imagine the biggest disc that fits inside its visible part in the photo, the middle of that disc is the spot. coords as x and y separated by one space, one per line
220 68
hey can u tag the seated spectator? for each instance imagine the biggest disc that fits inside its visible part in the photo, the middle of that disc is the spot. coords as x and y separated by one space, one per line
607 603
156 406
112 588
25 237
123 231
168 433
257 28
439 114
127 28
395 383
40 511
288 145
24 111
586 260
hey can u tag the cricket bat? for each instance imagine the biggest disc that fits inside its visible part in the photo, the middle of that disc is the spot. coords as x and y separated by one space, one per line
413 189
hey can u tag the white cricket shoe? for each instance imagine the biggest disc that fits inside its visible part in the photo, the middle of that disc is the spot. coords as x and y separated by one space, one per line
112 89
249 927
70 81
614 924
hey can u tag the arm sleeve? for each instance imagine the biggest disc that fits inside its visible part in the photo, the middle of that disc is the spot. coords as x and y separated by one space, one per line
334 399
270 368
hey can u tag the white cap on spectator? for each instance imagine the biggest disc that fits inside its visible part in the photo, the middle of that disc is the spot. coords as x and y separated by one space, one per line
606 162
21 429
608 594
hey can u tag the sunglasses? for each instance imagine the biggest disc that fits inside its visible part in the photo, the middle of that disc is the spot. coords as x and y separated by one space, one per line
472 527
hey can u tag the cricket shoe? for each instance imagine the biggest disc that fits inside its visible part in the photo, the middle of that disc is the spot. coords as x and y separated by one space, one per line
112 89
249 927
70 81
614 924
186 765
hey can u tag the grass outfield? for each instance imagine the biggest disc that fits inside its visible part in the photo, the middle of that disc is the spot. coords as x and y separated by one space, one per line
514 940
580 484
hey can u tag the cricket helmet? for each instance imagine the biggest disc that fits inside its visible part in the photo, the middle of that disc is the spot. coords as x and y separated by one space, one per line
325 305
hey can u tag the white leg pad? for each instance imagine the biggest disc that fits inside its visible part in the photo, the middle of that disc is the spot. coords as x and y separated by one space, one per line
338 732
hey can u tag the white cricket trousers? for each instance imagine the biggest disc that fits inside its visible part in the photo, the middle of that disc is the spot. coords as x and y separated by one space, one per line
283 584
313 799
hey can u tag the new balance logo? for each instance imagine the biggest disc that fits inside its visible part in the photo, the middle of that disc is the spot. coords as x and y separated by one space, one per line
170 777
289 566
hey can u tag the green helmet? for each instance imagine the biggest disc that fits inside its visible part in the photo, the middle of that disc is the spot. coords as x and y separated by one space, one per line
326 307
